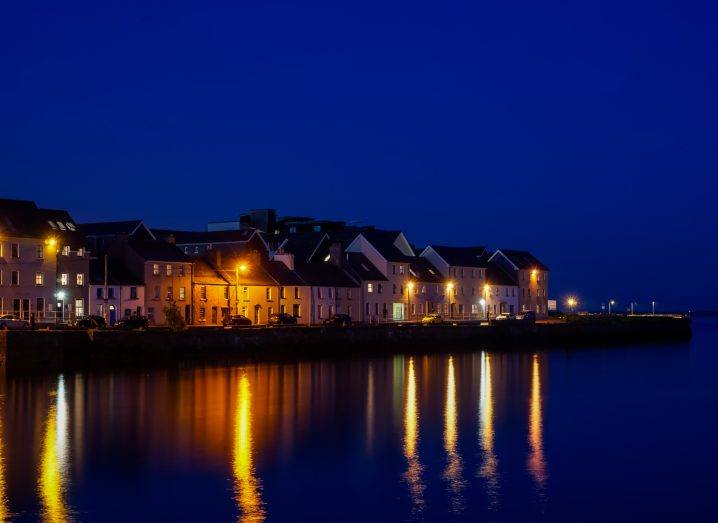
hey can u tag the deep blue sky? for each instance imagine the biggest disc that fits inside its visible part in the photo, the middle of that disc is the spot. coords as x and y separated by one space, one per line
585 131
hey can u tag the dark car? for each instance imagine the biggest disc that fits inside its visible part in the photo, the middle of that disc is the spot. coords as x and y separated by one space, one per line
12 322
527 316
282 318
90 322
238 320
133 323
341 320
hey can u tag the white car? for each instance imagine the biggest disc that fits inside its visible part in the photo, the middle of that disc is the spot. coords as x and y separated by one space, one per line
10 322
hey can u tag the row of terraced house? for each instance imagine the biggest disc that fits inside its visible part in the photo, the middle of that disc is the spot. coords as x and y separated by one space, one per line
53 269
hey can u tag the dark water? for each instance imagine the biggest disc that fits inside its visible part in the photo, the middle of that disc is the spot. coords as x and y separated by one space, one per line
584 435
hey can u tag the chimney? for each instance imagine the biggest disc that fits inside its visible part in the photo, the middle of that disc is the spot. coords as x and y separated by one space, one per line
335 254
170 239
286 258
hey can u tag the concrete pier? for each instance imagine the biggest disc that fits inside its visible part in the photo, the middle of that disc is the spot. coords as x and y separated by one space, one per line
40 351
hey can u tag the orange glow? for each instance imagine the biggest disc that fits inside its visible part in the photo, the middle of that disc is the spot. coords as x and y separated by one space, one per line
450 285
246 486
51 242
489 468
53 461
243 268
536 463
411 439
454 465
410 285
534 273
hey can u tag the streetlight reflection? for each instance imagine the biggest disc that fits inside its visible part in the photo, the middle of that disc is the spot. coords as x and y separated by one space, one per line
453 469
53 479
536 463
489 467
411 439
4 507
246 485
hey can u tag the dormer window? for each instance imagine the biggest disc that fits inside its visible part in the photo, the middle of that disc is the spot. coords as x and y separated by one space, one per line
65 250
71 227
52 225
61 226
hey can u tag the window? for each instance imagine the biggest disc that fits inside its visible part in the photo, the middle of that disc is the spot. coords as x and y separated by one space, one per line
401 269
81 252
133 293
157 292
393 269
413 308
349 310
181 293
66 250
376 309
99 293
370 287
423 289
202 292
379 288
474 308
180 270
367 309
384 311
39 251
244 311
319 293
202 314
79 307
349 294
170 293
151 313
226 293
245 293
296 293
270 311
283 308
473 273
156 269
38 278
462 272
282 293
110 293
40 306
64 278
169 270
80 278
15 250
296 310
393 289
268 293
331 293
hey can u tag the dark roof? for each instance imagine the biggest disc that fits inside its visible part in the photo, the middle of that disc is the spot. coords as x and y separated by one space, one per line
325 274
302 245
190 237
523 259
205 273
24 219
282 274
496 275
362 268
156 250
383 241
424 271
125 227
461 256
117 273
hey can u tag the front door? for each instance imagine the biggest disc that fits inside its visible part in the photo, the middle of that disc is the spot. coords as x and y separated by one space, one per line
214 315
113 315
256 315
398 312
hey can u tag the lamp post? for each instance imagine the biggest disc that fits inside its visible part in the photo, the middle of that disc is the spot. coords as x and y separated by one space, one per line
409 288
483 306
571 304
653 308
487 290
610 303
449 292
240 268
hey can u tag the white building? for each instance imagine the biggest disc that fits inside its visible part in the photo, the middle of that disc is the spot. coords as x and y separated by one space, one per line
123 297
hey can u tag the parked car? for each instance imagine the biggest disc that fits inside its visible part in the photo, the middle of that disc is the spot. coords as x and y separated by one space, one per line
11 322
432 319
527 317
342 320
133 323
505 316
282 318
238 320
90 322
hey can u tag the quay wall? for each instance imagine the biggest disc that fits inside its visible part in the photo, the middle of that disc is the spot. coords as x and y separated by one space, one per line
38 351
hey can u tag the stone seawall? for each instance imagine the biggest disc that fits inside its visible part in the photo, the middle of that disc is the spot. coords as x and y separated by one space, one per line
38 351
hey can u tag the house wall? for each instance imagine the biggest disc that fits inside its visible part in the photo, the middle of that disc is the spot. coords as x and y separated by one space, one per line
335 300
469 285
27 264
254 303
211 303
533 289
157 288
75 265
502 298
122 300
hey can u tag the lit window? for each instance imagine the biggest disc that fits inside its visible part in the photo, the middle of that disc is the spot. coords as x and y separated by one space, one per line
38 278
202 292
66 250
170 293
268 293
370 287
156 269
181 293
64 278
283 293
39 251
61 226
71 226
169 270
52 224
401 269
327 257
296 293
81 251
180 270
80 279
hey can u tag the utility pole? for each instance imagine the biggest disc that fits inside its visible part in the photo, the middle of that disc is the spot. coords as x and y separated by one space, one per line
105 312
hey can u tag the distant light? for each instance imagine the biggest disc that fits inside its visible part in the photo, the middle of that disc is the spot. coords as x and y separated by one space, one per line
60 295
450 285
51 242
327 257
243 268
482 302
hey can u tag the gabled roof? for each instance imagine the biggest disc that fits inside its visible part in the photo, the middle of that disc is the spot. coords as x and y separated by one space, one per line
385 242
424 271
205 273
195 237
302 245
461 256
496 275
521 259
117 273
125 227
24 219
361 268
156 250
324 274
282 274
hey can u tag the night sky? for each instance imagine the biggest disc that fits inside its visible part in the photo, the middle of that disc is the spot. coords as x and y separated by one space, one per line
586 132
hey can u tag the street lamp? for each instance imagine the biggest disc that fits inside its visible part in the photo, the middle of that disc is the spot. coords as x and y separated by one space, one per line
60 295
653 307
487 290
483 306
450 290
610 303
571 302
240 268
409 289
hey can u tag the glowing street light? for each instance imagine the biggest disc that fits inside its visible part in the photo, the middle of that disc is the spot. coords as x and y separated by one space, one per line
572 302
610 303
449 292
487 291
409 290
241 268
51 242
